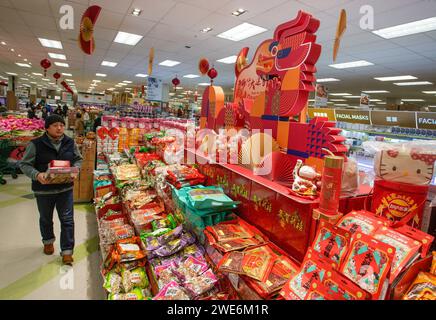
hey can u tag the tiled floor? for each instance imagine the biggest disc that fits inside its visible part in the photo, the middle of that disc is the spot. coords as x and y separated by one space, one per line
25 272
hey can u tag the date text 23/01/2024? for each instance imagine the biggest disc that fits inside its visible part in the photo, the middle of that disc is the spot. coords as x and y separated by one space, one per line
220 310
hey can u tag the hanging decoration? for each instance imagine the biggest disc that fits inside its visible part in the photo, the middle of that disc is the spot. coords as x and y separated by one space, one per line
150 61
241 61
45 64
203 66
67 87
175 82
86 35
56 75
212 74
342 26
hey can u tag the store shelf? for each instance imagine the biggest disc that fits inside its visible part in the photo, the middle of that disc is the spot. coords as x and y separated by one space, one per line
391 135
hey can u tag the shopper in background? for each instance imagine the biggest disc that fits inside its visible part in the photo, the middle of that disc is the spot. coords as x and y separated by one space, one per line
53 145
86 119
31 113
44 114
65 110
79 126
59 111
97 121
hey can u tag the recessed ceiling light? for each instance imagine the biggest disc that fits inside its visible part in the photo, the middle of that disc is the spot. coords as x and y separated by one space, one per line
118 85
62 64
206 30
141 75
340 94
341 105
407 29
19 55
375 100
24 79
191 76
50 43
228 60
109 63
376 91
122 84
338 100
67 74
70 80
413 100
352 97
52 83
204 84
57 56
11 74
127 38
13 50
33 82
3 43
169 63
136 12
179 88
352 64
96 80
45 79
327 80
101 75
241 32
26 65
416 83
429 92
127 81
238 12
396 78
25 60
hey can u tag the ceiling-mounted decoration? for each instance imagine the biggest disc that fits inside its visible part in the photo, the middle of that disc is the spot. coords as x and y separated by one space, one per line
56 75
150 61
342 26
67 87
212 74
86 35
241 60
45 64
203 66
175 82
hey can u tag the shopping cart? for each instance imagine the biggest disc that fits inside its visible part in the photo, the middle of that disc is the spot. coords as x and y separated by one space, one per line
6 167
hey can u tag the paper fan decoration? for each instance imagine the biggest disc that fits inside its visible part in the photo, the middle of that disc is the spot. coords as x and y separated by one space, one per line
342 26
203 66
241 61
86 35
282 166
255 148
150 61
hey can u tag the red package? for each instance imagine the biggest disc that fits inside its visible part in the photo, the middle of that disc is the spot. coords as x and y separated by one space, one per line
59 164
319 291
130 249
227 232
314 268
416 234
237 244
361 221
341 285
406 249
368 263
258 262
231 262
331 241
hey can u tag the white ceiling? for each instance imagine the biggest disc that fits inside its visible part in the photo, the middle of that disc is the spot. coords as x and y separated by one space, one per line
170 25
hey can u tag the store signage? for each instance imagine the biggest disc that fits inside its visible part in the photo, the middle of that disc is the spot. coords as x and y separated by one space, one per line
154 89
324 113
394 118
353 116
426 120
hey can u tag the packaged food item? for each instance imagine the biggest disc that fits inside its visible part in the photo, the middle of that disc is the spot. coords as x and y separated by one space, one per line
112 282
368 263
145 216
318 291
168 222
136 278
341 285
126 172
362 221
130 249
172 291
191 268
135 294
173 246
209 197
416 234
165 273
423 288
231 262
258 262
201 284
406 249
237 244
433 264
314 268
229 231
112 235
331 241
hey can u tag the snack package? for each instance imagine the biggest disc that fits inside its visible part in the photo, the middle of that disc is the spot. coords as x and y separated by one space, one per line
433 264
258 262
332 242
209 197
168 222
173 246
191 268
406 249
229 231
416 234
319 291
423 288
201 284
135 294
113 282
136 278
231 262
361 221
165 274
341 285
144 216
368 263
112 235
172 291
130 249
314 268
237 244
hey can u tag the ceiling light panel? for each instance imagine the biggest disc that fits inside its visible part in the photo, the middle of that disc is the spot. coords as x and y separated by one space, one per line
109 64
57 56
416 83
141 75
396 78
407 29
327 80
62 64
241 32
352 64
169 63
50 43
228 60
191 76
127 38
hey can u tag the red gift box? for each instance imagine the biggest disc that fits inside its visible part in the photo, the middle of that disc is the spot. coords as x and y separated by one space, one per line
59 164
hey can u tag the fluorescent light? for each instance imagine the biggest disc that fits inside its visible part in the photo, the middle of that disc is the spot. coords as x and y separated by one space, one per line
407 29
19 55
327 80
338 100
413 100
127 38
228 60
172 94
67 74
206 30
429 92
96 80
57 56
33 82
417 83
169 63
22 64
398 78
191 76
376 91
136 12
238 12
381 103
61 64
141 75
3 43
340 94
204 84
341 105
352 97
101 75
375 100
70 80
352 64
118 86
45 79
122 84
179 88
50 43
110 89
241 32
24 79
127 81
109 63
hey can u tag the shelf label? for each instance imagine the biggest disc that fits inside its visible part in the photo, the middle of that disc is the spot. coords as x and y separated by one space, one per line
426 120
394 118
353 116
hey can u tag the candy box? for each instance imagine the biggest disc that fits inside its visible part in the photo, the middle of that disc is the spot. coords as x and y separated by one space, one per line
331 241
418 235
368 264
341 285
361 221
406 249
59 163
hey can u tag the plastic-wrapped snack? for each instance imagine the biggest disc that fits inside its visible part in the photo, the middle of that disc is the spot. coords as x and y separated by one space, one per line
433 264
135 294
231 262
130 265
112 282
201 284
173 246
171 235
227 231
236 244
168 222
172 291
362 221
136 278
107 224
165 274
319 291
112 235
191 268
130 249
110 213
423 288
258 262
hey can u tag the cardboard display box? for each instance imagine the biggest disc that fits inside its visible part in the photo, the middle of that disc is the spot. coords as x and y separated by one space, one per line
83 186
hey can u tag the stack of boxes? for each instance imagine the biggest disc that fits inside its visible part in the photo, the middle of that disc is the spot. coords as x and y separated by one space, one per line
83 186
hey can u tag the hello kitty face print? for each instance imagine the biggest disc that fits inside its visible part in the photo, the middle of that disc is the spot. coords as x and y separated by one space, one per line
412 166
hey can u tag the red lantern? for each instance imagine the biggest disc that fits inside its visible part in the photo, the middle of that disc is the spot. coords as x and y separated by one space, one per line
212 74
56 75
175 82
45 63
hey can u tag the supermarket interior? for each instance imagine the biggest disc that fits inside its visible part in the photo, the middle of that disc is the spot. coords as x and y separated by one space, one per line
217 150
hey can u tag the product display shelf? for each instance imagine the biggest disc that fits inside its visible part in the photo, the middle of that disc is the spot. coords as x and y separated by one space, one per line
392 135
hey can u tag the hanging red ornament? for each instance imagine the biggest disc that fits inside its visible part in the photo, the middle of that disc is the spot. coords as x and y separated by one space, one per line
56 75
45 64
175 82
67 87
212 74
87 23
203 66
